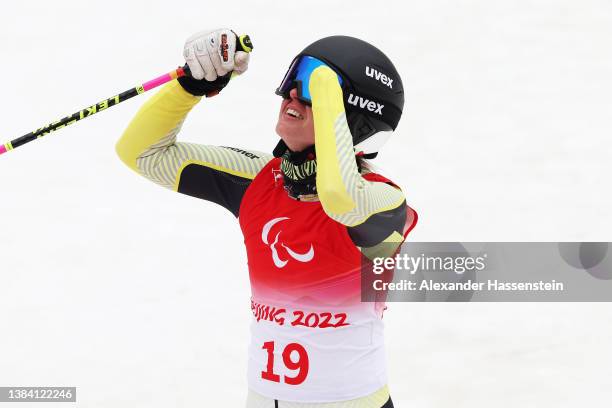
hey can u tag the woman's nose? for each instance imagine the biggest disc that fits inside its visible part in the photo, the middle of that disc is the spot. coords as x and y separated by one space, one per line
293 94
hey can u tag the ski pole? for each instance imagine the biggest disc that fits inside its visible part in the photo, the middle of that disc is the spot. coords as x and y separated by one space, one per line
243 43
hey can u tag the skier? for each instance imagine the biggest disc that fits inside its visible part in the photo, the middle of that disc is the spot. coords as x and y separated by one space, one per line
306 212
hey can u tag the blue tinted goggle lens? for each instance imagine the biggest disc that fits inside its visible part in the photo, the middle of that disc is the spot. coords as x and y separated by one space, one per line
299 76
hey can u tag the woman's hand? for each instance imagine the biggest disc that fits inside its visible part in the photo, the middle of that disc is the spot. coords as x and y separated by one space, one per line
211 55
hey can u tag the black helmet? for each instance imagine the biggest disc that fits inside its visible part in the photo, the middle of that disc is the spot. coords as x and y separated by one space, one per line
372 88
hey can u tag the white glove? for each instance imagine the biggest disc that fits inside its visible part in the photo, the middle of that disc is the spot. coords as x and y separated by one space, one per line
210 54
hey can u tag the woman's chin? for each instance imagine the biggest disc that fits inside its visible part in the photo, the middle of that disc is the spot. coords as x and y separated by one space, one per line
295 139
296 145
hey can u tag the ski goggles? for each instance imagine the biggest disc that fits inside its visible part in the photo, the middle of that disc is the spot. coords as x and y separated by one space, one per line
298 76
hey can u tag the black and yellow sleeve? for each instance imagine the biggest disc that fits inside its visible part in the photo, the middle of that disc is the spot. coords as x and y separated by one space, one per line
215 173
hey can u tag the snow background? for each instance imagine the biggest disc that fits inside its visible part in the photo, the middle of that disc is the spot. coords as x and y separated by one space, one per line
140 297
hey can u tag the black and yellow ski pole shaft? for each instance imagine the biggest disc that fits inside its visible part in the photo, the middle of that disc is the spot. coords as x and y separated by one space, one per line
243 43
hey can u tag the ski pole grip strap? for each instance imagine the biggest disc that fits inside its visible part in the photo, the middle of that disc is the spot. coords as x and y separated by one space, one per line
244 43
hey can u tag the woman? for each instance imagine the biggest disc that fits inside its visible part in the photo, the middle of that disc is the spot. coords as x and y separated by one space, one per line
307 213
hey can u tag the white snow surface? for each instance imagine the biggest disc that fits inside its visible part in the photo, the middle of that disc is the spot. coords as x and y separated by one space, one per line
140 297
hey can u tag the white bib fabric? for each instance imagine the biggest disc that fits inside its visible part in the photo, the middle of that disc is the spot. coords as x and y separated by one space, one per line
343 363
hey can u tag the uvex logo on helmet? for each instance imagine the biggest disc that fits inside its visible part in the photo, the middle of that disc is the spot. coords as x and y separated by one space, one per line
379 76
364 103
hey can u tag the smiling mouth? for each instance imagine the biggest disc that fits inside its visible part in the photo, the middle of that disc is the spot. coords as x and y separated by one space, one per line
294 114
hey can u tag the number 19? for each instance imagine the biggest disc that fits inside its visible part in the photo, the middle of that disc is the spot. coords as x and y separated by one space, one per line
302 364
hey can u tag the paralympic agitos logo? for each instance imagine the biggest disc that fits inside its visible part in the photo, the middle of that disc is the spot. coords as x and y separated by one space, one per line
276 258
